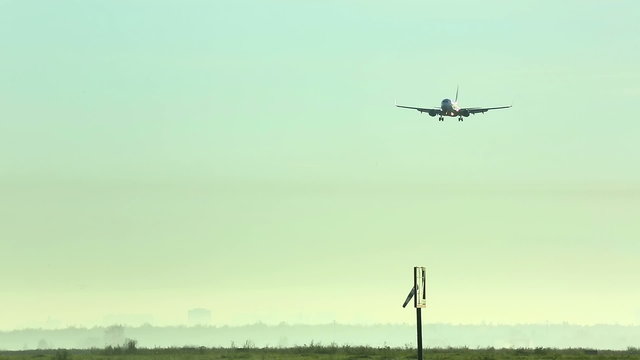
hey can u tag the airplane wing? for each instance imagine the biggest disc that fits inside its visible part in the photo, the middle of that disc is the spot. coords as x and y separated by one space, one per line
476 110
429 110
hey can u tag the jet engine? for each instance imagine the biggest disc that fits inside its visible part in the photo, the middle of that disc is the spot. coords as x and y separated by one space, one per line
433 113
464 112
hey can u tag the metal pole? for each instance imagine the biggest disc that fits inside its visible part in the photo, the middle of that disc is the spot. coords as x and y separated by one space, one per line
419 322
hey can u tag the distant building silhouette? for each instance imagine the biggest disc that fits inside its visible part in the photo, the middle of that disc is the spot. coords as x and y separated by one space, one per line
199 316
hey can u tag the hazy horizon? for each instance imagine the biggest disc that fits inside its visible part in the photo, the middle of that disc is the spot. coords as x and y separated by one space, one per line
280 324
56 324
558 336
247 158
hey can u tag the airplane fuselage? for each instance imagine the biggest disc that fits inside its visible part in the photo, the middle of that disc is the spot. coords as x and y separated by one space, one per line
449 108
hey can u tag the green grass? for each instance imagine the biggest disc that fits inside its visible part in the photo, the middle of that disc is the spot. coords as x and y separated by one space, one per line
314 352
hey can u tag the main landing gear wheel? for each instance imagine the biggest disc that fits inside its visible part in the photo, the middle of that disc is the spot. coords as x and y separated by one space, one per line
440 118
460 118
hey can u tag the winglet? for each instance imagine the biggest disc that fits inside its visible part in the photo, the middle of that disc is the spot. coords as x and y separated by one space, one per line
457 88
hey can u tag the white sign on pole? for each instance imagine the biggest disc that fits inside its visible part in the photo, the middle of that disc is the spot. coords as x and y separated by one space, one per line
420 287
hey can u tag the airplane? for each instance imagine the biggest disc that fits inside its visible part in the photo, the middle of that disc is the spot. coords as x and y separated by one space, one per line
451 108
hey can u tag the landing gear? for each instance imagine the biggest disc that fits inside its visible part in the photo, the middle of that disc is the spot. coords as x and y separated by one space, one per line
440 118
460 118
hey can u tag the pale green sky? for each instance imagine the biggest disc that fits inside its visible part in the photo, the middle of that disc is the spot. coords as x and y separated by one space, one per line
246 157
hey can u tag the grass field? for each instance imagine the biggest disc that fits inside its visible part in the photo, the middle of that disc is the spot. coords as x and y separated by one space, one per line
321 353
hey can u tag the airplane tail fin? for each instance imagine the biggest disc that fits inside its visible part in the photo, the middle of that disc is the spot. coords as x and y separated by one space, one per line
457 88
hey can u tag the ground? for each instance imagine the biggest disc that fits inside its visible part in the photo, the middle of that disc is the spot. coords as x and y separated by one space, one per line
321 353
